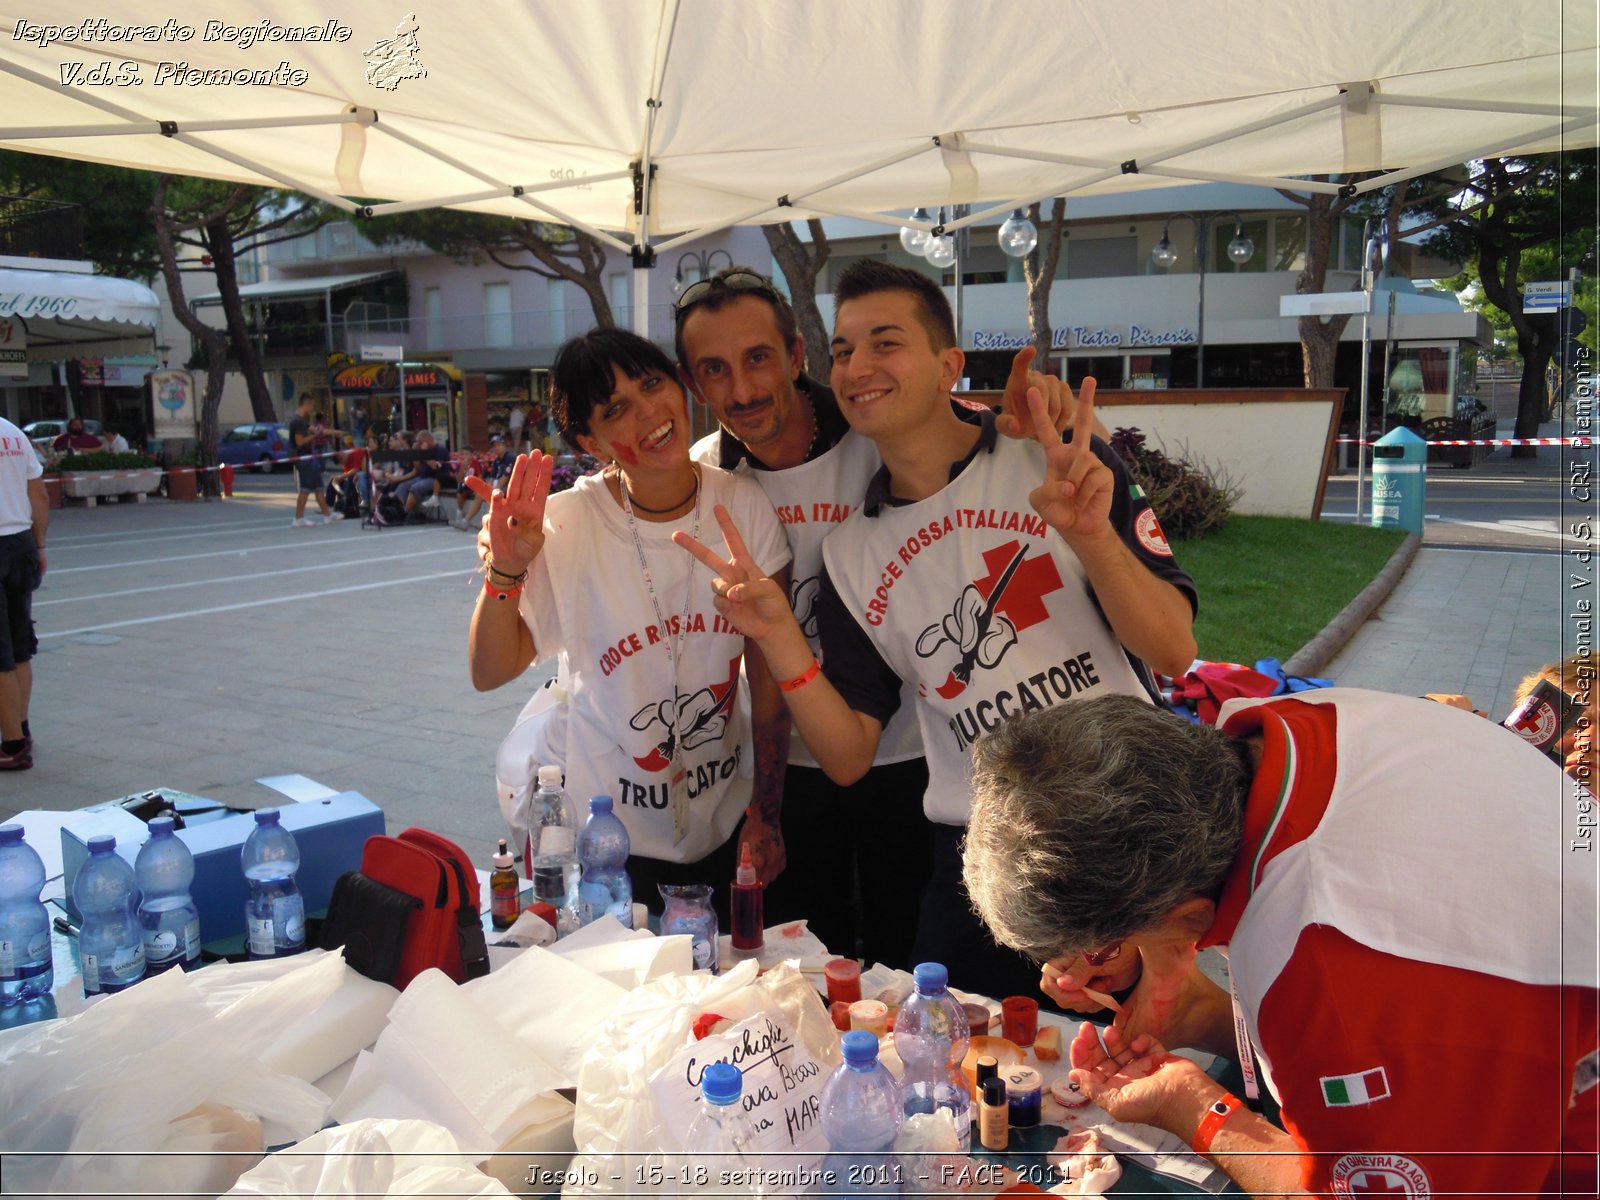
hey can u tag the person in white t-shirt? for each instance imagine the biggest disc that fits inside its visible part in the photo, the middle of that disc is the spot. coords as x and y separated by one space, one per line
649 704
24 514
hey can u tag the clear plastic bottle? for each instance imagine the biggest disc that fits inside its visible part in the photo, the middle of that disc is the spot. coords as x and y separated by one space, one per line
25 969
861 1113
930 1036
167 916
274 914
553 848
603 851
110 942
719 1154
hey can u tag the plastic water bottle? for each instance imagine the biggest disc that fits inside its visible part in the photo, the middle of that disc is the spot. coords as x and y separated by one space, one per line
719 1154
25 970
861 1113
167 915
274 915
553 848
603 851
931 1035
110 942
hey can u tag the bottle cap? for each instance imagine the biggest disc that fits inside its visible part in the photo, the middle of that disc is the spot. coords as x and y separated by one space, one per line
931 977
988 1067
10 835
860 1046
994 1092
550 776
746 874
721 1084
266 816
160 826
598 804
502 856
102 843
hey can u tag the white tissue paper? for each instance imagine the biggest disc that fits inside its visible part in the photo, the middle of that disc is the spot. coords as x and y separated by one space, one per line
371 1158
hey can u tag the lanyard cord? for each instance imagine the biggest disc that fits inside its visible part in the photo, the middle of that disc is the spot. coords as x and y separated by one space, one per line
674 644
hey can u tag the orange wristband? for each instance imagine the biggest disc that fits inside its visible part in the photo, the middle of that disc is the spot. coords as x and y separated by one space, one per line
1212 1122
501 593
800 680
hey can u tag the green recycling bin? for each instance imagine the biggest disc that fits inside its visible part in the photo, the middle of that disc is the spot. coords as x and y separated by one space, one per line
1399 480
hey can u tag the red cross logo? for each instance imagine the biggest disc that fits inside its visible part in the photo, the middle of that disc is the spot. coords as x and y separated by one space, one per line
1023 599
1378 1183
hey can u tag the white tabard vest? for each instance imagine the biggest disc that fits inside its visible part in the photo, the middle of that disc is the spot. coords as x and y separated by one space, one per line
979 607
586 601
811 500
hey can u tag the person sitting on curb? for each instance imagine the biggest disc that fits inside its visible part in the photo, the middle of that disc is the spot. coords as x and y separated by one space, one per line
423 483
468 503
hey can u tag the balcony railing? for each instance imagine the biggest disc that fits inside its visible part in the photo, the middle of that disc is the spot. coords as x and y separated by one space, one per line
40 228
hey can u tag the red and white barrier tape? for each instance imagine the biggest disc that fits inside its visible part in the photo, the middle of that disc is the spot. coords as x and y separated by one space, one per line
129 474
1567 441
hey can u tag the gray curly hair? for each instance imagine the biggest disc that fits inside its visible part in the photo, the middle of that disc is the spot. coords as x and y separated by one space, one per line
1092 820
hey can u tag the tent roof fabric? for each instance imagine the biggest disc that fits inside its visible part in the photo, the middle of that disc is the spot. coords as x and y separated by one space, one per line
769 110
279 289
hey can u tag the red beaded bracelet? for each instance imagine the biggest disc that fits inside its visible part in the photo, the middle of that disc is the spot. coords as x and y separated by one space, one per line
800 680
501 593
1211 1123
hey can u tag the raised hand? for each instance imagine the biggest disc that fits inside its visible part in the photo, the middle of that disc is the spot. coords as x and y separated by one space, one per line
513 532
1064 980
1075 497
752 602
1014 420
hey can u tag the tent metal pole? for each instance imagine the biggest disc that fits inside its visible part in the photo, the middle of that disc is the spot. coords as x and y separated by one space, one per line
402 206
149 127
1523 110
1068 160
1549 131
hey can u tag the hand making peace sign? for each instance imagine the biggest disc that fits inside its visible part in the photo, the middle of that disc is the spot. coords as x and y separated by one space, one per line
1075 497
752 601
515 524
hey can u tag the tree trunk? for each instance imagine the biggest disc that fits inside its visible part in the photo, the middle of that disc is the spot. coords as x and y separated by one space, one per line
218 236
1039 269
589 274
800 267
214 341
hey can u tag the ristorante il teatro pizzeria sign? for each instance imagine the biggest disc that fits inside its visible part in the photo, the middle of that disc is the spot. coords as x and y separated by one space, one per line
1084 337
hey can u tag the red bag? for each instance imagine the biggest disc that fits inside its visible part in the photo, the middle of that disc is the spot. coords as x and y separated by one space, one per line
446 930
1206 688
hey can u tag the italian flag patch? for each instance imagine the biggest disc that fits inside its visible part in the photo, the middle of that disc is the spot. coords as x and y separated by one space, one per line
1135 492
1348 1091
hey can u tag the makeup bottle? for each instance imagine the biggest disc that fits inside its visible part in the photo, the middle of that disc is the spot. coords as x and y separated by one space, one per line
993 1114
503 890
745 905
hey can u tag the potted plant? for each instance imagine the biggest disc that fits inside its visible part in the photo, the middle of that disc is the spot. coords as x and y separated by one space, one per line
104 473
180 474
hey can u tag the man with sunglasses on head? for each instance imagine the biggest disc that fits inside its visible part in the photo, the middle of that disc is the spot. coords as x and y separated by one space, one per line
958 578
1410 933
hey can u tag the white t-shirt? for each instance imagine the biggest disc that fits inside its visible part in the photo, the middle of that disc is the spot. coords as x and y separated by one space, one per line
588 605
18 464
811 501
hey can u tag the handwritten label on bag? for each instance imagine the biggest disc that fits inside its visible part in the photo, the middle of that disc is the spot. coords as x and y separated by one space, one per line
782 1085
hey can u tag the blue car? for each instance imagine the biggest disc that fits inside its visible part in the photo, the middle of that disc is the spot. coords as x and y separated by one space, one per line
260 447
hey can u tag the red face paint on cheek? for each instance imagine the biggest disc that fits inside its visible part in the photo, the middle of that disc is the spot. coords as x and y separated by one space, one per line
626 455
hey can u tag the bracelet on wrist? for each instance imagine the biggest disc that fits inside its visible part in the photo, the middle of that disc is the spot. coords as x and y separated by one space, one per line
1211 1123
800 680
500 592
493 570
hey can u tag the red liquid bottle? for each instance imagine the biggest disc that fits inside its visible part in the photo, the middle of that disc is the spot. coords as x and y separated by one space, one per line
745 906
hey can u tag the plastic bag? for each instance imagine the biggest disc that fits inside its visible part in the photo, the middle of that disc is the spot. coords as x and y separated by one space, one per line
155 1068
617 1121
371 1158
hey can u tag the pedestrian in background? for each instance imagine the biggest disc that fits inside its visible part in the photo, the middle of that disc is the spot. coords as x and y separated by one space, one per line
24 515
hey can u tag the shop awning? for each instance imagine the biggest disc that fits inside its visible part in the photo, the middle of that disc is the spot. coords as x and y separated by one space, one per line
366 379
286 289
65 314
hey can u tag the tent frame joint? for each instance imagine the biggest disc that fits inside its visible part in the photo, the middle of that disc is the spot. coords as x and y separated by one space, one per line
1130 167
644 257
169 129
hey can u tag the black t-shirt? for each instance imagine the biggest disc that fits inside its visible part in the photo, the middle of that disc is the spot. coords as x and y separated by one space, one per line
300 427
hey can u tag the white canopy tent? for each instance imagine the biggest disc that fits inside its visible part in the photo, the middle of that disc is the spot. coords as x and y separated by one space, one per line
654 122
67 314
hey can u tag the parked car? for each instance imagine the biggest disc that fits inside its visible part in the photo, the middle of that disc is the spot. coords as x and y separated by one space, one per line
258 446
44 433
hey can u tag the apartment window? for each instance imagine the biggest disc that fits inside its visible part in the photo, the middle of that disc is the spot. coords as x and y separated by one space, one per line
497 314
1288 243
617 293
558 309
433 316
1101 258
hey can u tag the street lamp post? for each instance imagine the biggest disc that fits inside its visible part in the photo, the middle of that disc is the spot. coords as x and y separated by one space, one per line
1374 253
703 261
1241 250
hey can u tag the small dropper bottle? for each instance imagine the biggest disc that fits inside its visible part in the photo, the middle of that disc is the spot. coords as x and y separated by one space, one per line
745 905
503 890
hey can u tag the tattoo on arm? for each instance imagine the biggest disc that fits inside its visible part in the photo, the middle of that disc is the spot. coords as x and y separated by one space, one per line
771 741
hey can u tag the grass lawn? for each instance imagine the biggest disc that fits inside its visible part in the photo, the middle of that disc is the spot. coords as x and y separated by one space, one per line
1269 584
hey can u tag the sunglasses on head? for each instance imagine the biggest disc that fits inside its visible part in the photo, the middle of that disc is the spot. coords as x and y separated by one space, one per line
733 281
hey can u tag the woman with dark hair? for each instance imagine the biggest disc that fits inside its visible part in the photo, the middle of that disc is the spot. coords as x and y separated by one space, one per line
649 704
